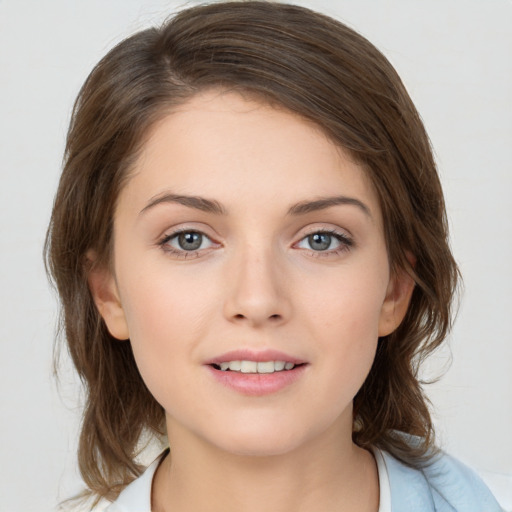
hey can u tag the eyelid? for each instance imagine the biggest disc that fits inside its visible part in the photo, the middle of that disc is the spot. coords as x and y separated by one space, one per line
329 229
326 227
345 240
173 233
334 233
185 227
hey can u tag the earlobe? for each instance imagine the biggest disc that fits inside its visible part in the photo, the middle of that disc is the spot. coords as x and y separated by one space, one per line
106 297
396 303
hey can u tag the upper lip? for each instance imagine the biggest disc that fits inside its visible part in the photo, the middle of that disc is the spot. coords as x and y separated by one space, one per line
255 355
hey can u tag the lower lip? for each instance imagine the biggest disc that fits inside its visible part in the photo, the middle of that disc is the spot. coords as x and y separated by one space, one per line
258 384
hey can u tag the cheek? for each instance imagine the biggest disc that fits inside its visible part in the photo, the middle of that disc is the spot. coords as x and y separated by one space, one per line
344 320
167 317
349 300
164 302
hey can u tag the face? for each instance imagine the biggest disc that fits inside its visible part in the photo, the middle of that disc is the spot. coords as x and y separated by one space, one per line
251 276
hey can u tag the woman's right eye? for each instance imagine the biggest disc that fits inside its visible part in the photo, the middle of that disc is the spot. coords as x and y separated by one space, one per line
186 242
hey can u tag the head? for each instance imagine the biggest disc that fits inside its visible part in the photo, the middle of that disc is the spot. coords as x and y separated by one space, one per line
286 58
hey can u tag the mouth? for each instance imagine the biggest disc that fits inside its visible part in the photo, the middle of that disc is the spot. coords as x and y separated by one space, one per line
257 373
255 367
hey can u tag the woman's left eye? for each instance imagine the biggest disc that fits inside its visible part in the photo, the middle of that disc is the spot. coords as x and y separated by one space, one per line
186 242
324 241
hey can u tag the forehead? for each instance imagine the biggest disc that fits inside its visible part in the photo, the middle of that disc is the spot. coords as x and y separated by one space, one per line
219 142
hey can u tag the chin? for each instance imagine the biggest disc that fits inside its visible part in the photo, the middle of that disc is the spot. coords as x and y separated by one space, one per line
262 439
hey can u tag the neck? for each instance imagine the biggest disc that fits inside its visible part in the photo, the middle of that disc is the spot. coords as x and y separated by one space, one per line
328 474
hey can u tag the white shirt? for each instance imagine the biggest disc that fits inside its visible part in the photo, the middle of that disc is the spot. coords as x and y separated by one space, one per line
384 485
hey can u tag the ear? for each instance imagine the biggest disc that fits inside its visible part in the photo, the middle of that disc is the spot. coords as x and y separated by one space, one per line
398 296
106 297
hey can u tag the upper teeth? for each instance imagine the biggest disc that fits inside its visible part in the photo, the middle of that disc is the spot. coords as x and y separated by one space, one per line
256 367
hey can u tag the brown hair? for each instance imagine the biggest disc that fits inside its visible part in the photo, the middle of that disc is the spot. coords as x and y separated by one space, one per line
309 64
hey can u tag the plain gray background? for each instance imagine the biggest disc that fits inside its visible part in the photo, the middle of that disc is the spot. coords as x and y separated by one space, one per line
455 59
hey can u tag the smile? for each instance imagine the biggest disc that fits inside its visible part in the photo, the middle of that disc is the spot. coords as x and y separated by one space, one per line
254 367
256 372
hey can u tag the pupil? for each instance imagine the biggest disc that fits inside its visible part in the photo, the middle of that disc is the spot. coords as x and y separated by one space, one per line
320 241
190 241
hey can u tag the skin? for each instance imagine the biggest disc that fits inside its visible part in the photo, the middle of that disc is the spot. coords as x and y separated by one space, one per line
256 282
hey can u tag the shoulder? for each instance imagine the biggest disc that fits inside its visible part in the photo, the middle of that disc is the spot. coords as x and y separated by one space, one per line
444 485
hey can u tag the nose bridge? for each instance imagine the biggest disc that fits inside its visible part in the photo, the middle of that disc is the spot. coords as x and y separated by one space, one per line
256 291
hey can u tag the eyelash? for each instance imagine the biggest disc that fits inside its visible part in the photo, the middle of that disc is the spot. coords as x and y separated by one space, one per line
182 253
346 243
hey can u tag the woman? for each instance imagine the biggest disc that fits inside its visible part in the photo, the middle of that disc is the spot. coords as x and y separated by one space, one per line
250 244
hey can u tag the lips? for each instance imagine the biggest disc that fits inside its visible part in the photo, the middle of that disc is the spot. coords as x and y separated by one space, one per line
256 373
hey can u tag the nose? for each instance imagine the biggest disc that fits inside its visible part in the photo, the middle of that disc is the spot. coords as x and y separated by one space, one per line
256 291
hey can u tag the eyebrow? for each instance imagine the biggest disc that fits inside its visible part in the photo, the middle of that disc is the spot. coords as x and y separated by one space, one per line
199 203
212 206
326 202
